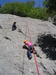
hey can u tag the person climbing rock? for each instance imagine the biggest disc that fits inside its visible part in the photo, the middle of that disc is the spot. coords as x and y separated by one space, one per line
14 26
30 47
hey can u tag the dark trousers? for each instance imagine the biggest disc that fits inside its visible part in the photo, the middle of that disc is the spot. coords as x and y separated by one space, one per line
14 28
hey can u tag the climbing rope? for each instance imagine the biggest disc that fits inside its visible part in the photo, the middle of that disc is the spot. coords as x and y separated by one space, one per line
7 29
32 48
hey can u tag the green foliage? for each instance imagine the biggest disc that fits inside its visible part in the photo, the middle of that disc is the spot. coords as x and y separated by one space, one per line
34 13
50 4
8 8
17 8
38 13
27 9
0 6
45 14
32 3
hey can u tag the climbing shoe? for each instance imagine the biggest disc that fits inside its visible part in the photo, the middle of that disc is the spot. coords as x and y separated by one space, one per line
30 57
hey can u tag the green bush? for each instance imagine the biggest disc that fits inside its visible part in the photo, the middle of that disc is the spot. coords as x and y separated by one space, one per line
26 9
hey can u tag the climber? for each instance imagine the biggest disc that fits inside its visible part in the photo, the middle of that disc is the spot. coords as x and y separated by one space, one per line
30 47
14 26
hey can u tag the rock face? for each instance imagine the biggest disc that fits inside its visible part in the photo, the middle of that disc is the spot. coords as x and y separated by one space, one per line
52 19
13 58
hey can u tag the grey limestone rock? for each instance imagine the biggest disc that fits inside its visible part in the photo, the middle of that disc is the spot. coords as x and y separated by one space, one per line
13 58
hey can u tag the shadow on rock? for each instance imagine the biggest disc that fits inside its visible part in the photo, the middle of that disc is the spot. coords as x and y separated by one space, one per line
25 47
48 45
7 38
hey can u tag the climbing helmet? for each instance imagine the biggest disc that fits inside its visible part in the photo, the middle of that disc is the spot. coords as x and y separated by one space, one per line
25 41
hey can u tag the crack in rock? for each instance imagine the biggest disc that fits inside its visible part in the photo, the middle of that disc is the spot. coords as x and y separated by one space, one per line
19 30
47 73
42 65
7 38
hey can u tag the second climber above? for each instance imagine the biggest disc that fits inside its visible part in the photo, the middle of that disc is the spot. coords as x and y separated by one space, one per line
14 26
